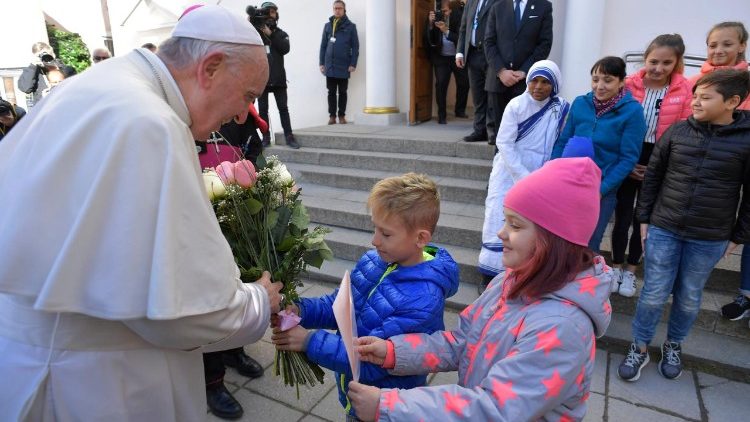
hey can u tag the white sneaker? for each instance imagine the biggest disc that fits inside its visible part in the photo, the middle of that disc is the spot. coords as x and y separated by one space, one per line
616 280
627 287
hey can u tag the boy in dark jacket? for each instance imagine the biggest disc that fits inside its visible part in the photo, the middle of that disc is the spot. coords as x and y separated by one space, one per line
688 213
339 51
398 288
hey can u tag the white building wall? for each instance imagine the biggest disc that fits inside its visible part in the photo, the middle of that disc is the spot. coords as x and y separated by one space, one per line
628 26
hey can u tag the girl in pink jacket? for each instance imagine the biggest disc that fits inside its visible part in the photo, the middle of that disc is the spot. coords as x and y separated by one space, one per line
726 43
665 96
524 350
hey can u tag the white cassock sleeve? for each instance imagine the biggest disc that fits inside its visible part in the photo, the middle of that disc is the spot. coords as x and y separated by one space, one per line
242 322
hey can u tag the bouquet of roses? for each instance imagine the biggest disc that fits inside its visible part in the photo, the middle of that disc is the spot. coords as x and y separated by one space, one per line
266 225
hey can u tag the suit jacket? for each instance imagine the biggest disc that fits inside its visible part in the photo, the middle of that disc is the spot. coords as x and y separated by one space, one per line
467 23
434 36
508 47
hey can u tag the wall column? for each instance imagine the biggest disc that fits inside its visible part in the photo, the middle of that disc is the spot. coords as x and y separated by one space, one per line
380 70
582 45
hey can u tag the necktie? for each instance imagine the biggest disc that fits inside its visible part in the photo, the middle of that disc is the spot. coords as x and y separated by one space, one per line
476 23
518 14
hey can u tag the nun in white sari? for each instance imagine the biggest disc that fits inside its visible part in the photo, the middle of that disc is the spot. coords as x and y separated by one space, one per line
528 131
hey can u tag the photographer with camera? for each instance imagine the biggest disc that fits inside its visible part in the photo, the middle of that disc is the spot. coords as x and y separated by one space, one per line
265 19
33 80
441 36
9 116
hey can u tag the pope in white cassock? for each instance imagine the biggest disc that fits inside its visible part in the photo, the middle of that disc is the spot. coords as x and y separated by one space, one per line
114 274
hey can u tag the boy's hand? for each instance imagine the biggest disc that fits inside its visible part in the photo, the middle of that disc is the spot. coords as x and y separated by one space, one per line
276 319
730 248
365 400
371 349
644 235
292 340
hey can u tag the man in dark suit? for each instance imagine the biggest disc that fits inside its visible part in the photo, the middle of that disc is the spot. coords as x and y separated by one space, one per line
518 34
469 53
441 36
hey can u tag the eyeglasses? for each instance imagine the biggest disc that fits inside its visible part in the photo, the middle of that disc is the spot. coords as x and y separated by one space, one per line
100 58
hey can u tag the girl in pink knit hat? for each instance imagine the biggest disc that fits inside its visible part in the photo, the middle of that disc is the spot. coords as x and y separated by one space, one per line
525 348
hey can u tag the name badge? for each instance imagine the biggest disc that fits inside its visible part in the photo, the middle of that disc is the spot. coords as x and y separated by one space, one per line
333 39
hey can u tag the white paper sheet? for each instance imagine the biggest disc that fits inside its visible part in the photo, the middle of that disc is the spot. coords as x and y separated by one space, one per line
343 310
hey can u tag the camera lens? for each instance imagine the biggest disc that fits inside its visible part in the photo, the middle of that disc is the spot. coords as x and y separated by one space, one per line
46 57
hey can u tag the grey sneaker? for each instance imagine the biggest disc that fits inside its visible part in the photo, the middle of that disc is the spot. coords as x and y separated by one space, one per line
670 366
616 280
627 286
630 368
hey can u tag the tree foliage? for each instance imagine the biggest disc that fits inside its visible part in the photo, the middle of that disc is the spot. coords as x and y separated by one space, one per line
70 48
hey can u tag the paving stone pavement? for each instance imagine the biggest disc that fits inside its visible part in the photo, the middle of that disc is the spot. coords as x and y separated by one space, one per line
694 396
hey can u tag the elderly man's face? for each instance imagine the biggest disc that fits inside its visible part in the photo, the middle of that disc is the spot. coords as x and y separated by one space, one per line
231 91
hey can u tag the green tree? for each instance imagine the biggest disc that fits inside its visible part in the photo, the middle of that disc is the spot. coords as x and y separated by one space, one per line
69 48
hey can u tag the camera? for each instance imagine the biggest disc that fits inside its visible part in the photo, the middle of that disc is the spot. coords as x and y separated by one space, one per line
260 17
5 107
439 16
46 58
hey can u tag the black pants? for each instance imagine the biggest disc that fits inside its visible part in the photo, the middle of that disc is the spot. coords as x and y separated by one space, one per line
624 219
334 84
213 367
627 194
444 66
477 66
279 93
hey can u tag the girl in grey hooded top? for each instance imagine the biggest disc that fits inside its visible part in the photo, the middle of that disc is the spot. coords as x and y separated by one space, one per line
525 349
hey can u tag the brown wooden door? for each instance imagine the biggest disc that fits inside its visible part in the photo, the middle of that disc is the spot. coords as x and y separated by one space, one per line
421 70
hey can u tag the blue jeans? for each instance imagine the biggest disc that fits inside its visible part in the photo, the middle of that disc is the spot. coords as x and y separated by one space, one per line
745 271
677 265
606 208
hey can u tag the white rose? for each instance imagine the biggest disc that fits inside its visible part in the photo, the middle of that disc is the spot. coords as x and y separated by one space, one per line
214 186
284 176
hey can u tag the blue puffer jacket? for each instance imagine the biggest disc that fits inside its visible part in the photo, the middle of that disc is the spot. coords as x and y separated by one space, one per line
617 136
407 300
338 56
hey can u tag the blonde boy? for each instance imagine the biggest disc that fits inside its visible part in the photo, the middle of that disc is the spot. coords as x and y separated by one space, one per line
399 287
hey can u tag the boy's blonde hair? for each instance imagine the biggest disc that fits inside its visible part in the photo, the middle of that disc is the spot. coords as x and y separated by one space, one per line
412 197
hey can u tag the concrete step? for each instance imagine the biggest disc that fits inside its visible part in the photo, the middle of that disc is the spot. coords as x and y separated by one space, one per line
456 230
432 165
453 189
423 140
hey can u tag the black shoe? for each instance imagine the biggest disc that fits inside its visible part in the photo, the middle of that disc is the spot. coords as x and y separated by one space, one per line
476 137
630 368
291 142
222 403
266 142
243 363
462 115
442 121
738 309
670 366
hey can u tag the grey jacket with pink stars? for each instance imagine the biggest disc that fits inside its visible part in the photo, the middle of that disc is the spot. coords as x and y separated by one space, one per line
516 361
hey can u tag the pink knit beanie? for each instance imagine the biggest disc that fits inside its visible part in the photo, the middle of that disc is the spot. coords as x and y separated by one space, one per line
562 196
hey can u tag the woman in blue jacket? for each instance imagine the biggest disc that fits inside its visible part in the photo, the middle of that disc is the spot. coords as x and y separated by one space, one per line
613 120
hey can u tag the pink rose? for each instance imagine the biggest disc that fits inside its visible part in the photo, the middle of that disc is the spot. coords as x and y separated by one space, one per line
225 170
244 173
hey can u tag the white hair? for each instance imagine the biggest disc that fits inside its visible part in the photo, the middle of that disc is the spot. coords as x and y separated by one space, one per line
180 52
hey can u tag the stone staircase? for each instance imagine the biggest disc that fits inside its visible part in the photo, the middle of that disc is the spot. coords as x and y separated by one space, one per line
338 164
